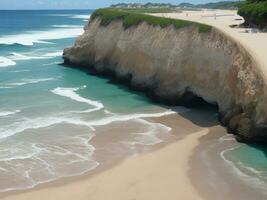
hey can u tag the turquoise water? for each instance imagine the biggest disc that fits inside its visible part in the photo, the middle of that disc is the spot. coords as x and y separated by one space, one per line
49 114
250 160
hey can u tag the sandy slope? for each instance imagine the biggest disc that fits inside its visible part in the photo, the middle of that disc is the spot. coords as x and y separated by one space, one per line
254 42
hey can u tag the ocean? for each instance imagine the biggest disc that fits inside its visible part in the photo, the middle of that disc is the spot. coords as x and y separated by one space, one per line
49 113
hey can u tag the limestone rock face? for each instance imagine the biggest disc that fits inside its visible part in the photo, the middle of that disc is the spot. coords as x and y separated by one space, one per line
173 62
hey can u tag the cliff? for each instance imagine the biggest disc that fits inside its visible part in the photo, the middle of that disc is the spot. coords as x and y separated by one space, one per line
179 64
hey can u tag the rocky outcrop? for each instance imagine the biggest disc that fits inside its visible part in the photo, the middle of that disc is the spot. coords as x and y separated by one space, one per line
179 65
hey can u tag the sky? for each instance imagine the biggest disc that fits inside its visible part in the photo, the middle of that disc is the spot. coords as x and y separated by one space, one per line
79 4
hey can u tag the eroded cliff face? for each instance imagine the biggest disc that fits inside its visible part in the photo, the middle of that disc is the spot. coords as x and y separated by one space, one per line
176 62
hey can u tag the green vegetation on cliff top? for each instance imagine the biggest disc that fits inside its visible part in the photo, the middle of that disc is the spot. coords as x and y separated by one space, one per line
131 18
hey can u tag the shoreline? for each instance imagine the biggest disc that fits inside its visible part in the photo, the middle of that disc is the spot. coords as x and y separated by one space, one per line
224 176
186 133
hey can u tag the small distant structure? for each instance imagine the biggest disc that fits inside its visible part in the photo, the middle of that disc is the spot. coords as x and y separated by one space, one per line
147 5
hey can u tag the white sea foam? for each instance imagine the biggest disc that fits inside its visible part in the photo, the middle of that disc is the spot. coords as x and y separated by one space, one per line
71 93
80 16
53 54
28 81
36 123
227 138
29 38
5 62
18 127
72 16
67 26
33 56
149 137
19 71
7 113
127 117
73 156
17 56
253 181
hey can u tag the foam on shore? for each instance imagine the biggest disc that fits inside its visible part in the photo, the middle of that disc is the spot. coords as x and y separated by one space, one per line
71 93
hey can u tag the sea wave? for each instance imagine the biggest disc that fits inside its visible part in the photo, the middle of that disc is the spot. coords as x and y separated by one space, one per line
67 26
19 71
29 38
17 56
42 122
80 16
53 54
11 59
71 93
7 113
36 123
127 117
5 87
33 55
72 16
27 81
5 62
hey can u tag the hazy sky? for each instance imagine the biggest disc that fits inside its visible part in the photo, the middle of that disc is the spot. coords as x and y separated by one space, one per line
76 4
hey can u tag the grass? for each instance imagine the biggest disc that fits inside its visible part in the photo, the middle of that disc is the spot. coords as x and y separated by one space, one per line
132 18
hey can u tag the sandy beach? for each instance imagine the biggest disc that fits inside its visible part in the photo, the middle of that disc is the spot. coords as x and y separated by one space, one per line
162 173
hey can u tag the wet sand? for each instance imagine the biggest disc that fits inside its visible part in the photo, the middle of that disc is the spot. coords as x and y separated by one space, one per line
160 173
217 178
